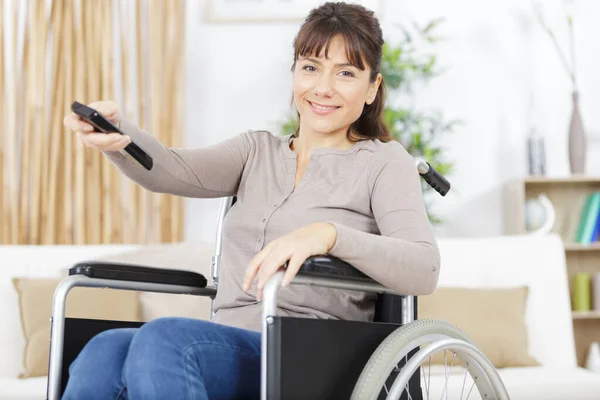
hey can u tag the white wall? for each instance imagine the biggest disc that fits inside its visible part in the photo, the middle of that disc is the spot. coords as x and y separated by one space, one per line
496 58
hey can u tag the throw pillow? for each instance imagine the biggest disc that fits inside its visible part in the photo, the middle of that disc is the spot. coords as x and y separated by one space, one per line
35 306
493 318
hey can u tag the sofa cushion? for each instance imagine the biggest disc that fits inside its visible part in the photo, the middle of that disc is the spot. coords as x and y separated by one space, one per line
35 307
522 383
537 262
34 261
23 389
494 318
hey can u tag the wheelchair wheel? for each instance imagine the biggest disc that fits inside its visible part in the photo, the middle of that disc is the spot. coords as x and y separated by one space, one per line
387 373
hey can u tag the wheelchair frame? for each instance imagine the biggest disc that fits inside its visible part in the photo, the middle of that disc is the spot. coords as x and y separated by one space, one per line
270 292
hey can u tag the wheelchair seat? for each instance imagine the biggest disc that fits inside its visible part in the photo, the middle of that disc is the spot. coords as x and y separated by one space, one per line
313 337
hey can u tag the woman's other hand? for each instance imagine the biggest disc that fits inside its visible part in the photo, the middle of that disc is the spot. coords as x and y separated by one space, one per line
294 248
112 141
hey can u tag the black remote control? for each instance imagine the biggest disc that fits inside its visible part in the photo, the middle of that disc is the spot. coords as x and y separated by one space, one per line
101 124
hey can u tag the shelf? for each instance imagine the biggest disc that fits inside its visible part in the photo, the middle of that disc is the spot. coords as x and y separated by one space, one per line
586 314
558 180
582 247
567 194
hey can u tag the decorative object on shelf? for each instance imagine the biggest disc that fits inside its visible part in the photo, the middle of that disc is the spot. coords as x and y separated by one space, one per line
593 358
577 142
581 292
589 220
537 153
596 292
540 215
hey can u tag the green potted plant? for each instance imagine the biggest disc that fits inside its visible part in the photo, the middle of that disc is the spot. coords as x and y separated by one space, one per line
404 65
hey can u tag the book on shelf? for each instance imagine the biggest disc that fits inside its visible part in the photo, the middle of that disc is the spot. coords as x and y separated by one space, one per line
588 228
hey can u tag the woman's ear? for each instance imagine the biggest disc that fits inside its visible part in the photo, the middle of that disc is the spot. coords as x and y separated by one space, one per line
373 88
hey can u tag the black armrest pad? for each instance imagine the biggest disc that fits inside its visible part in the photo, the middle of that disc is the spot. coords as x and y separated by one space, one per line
331 267
137 273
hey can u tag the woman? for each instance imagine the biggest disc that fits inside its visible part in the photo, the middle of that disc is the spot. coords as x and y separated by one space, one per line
339 185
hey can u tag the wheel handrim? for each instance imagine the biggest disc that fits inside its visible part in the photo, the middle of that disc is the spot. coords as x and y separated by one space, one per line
472 369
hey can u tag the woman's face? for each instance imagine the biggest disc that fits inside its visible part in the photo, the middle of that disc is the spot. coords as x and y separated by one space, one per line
330 93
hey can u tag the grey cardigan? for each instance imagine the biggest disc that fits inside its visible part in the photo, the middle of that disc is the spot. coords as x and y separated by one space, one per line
371 193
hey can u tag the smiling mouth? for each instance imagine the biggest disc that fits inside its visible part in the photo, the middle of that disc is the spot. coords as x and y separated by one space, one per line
322 109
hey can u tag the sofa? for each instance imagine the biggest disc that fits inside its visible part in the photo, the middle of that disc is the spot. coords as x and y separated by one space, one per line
28 272
522 281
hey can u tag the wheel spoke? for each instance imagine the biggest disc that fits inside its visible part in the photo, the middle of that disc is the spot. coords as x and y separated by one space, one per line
447 373
464 380
472 386
425 382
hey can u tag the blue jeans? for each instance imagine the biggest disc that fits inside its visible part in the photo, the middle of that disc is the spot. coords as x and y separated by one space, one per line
168 358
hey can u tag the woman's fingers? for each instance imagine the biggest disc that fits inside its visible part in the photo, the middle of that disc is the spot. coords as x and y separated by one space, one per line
108 109
112 141
76 124
253 267
293 267
273 263
105 141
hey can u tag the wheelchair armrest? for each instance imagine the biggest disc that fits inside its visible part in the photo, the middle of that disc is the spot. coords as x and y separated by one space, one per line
138 273
326 266
389 307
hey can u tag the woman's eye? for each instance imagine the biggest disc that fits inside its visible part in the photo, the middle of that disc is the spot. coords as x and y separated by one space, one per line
347 73
309 68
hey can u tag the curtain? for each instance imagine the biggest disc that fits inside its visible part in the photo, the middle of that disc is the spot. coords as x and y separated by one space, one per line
54 190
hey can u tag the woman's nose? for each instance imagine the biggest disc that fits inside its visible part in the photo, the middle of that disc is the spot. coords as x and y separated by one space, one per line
323 87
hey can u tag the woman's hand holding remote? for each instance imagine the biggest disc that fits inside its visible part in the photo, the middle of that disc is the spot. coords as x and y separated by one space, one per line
112 141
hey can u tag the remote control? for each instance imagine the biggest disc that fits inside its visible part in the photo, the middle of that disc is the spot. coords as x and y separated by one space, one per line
103 125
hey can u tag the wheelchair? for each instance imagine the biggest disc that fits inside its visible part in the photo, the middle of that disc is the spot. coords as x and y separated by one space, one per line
301 358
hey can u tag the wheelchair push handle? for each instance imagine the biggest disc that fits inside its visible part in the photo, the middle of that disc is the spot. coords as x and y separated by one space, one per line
433 177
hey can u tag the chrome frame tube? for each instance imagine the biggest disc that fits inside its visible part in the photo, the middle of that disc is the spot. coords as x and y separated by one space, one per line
215 262
269 307
216 258
407 302
57 320
269 310
339 283
408 309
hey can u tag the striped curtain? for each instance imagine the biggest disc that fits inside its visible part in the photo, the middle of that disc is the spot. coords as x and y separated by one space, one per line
54 190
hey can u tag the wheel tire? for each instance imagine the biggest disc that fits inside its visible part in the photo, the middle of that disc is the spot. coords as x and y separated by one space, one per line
386 357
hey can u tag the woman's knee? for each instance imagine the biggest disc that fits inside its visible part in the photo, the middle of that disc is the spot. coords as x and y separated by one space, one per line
175 355
155 360
97 370
176 334
170 339
106 348
167 334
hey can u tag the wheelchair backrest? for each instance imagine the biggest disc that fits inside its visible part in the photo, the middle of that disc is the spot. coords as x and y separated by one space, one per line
226 204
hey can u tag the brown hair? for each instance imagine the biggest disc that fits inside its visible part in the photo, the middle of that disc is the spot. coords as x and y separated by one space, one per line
364 41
